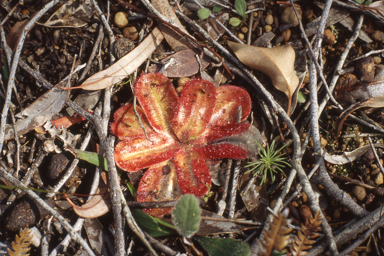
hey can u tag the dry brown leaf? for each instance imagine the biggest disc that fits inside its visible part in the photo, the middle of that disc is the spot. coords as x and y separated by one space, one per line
39 112
125 66
96 207
276 62
175 40
15 32
184 64
371 103
348 157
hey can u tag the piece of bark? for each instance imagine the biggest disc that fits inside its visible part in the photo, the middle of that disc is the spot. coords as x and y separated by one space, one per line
175 40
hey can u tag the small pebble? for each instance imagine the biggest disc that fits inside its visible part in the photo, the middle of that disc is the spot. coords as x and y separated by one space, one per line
244 30
25 12
123 46
240 36
359 192
378 35
121 19
269 19
255 14
267 28
25 214
377 59
375 171
308 14
305 212
364 69
182 81
273 203
323 142
336 214
286 34
130 33
295 204
329 37
304 197
288 16
378 179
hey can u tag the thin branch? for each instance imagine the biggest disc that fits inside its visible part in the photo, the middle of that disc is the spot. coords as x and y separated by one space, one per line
13 67
75 236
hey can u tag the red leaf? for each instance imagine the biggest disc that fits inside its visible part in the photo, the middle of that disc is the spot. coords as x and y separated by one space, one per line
136 153
126 123
68 121
159 184
224 150
229 98
195 109
158 99
220 132
192 172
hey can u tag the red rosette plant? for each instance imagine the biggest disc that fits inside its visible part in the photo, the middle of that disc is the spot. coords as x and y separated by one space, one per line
183 132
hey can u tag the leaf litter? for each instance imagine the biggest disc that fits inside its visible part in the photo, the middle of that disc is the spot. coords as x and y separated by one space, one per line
116 73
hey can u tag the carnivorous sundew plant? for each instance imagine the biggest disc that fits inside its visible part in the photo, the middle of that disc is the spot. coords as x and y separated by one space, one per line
184 132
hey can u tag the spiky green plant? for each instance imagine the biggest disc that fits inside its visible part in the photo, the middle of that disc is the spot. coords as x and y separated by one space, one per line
270 162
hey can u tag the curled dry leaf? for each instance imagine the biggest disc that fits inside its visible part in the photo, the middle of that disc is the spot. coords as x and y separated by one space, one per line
175 40
125 66
96 207
184 64
276 62
38 113
371 103
350 89
348 157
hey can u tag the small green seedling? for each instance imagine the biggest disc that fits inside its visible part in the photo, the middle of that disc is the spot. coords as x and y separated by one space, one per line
270 162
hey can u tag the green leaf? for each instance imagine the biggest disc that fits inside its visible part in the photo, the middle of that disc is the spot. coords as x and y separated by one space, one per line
301 97
90 157
359 1
241 7
367 3
186 215
220 247
153 226
131 189
234 21
204 13
217 8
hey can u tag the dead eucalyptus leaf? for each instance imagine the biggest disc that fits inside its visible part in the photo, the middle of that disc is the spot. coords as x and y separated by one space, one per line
184 64
125 66
74 14
96 207
350 90
175 40
371 103
276 62
98 237
348 157
15 32
38 113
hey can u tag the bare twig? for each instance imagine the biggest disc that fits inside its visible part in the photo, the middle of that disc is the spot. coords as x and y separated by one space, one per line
13 67
109 30
376 156
75 236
